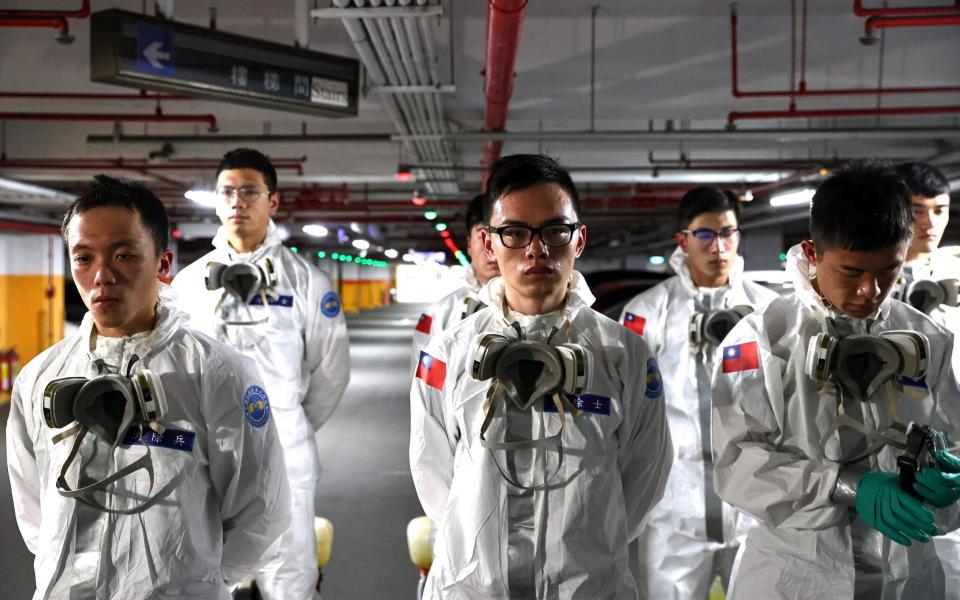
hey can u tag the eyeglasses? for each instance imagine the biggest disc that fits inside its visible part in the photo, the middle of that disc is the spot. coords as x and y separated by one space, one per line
247 193
706 236
520 236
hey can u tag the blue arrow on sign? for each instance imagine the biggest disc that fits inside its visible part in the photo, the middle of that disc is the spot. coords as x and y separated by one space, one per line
154 50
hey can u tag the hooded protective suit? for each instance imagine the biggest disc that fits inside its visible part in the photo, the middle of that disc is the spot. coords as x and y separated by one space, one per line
673 559
303 356
769 418
568 541
230 505
941 265
446 312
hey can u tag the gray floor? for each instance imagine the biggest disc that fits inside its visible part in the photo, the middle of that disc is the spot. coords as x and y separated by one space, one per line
365 488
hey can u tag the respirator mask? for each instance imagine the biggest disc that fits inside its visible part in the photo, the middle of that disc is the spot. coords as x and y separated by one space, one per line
244 281
524 372
712 326
927 294
108 406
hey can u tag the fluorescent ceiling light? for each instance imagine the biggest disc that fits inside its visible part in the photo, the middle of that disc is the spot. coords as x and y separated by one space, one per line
355 227
360 244
793 198
391 253
315 230
202 197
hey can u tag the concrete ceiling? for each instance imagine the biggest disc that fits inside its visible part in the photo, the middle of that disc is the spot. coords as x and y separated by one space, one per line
662 87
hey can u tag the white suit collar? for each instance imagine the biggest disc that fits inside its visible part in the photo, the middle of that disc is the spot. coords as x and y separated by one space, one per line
680 265
221 242
579 297
170 320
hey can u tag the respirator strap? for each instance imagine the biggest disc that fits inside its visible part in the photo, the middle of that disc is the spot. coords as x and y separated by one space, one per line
493 394
67 433
223 296
879 438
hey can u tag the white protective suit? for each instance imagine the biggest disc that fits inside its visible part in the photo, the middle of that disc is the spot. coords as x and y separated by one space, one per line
445 313
231 503
767 426
942 265
674 557
303 356
572 538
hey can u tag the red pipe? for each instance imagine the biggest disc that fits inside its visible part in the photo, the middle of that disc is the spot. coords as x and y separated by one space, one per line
504 21
92 96
127 165
82 13
875 23
804 90
54 22
862 11
735 116
210 120
22 227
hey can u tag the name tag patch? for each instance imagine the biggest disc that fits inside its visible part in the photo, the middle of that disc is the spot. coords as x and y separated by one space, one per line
282 300
591 403
175 439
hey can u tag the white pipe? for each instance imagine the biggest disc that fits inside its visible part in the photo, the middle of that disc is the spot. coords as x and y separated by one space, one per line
301 23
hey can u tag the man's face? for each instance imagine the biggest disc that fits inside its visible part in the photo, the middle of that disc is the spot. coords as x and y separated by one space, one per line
244 204
484 267
856 282
710 255
932 215
116 268
535 271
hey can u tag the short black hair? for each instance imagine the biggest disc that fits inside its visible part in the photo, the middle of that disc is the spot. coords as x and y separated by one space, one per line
475 213
923 179
248 158
116 191
521 171
705 199
863 207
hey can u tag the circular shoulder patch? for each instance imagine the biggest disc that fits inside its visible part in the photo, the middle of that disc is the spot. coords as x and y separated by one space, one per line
654 379
256 406
330 305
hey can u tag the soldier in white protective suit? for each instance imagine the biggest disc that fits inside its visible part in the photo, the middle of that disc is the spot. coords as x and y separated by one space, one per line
460 304
691 536
253 293
811 398
538 436
930 281
144 462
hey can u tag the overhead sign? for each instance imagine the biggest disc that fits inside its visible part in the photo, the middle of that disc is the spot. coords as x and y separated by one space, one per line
135 50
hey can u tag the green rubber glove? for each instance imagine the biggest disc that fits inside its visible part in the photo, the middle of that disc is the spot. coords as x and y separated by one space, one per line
940 487
893 512
949 463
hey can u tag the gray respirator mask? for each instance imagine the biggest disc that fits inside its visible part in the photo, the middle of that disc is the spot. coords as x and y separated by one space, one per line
712 326
860 364
107 406
926 294
244 281
524 372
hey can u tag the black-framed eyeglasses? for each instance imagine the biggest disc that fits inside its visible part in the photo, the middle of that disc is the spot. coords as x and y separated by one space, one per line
706 236
520 236
247 193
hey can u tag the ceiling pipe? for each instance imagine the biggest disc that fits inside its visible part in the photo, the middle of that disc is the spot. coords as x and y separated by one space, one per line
129 165
504 21
875 23
863 11
802 89
81 13
157 117
735 116
320 138
22 227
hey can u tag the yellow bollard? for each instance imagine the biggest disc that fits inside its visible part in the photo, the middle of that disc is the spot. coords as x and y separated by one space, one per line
420 542
716 590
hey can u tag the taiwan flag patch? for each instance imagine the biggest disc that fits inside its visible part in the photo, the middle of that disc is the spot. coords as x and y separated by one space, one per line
432 371
423 325
742 357
634 323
